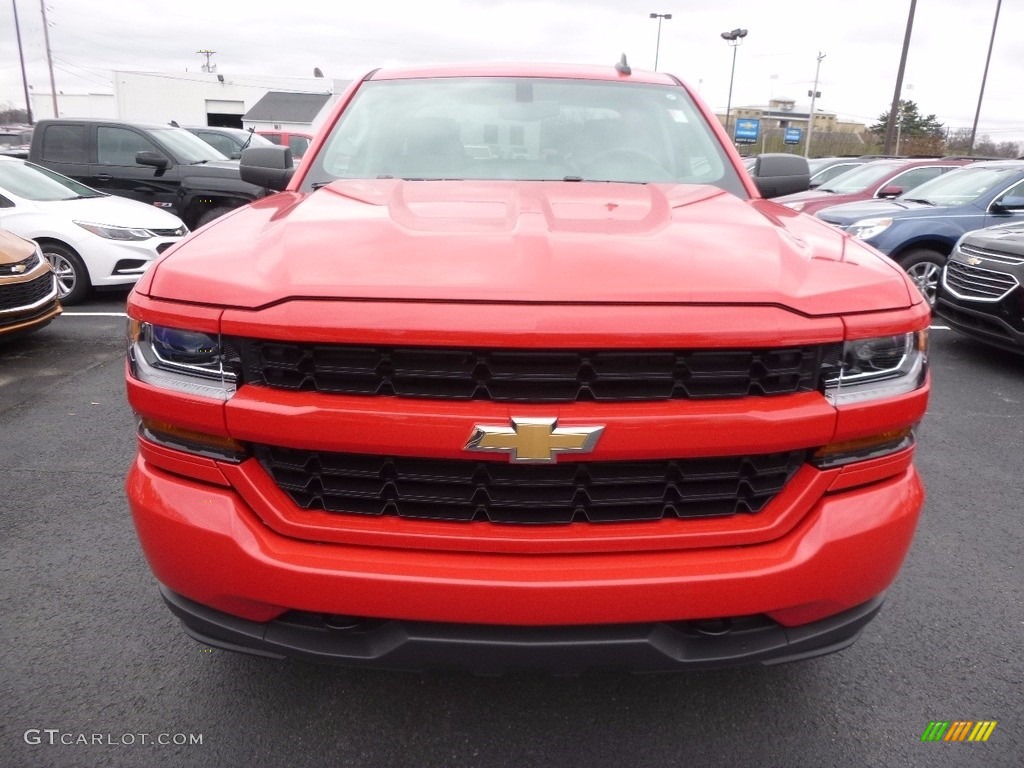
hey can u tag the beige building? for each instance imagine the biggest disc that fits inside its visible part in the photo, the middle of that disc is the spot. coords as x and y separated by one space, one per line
784 113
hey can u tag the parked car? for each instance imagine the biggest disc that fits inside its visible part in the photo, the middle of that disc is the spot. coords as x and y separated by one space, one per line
92 240
827 168
28 291
602 404
229 141
161 165
874 179
981 293
296 141
919 228
15 141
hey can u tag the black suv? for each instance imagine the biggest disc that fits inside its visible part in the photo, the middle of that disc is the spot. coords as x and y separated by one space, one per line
162 165
229 141
981 293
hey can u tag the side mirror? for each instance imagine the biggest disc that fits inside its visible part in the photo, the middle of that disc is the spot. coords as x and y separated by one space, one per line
154 159
1008 203
890 191
270 167
777 174
235 155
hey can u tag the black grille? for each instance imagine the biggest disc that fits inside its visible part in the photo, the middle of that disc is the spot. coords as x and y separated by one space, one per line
594 492
179 232
971 282
532 375
1001 256
18 295
19 267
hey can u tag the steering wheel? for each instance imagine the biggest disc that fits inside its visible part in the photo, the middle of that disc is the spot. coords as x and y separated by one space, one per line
638 157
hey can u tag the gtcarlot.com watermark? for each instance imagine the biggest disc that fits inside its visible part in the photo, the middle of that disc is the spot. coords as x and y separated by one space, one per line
57 737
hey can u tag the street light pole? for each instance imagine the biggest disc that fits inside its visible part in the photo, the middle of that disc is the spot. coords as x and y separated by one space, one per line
657 45
734 39
814 95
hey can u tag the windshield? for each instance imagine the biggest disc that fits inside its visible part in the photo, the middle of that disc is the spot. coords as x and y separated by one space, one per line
523 129
962 186
30 182
186 147
860 178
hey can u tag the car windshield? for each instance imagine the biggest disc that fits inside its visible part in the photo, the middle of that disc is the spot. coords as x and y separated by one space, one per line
31 182
817 163
962 186
186 147
860 178
534 129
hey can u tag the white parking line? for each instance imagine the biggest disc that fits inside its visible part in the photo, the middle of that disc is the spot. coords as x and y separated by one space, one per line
93 314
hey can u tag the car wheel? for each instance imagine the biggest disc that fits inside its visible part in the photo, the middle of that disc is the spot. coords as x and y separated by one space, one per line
925 268
210 215
73 284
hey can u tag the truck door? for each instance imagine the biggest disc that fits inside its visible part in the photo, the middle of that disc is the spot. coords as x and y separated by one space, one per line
117 173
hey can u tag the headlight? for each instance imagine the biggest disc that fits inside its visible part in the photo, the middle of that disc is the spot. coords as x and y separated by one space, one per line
174 358
116 233
885 366
865 229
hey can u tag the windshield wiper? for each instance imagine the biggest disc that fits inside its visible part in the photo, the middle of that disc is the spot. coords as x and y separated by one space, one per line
828 189
917 200
320 185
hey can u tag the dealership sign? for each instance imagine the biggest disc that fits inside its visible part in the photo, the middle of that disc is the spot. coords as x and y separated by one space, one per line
747 130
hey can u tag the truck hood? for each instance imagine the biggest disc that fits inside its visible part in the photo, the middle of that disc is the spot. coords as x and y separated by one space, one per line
539 242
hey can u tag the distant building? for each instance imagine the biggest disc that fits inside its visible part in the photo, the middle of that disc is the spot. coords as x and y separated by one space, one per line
784 113
287 111
203 98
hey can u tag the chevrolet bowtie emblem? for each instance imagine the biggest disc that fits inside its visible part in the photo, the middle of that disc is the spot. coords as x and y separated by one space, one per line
17 269
974 261
533 441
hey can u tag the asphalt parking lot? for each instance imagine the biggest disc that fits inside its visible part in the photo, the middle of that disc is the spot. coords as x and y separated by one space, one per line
90 650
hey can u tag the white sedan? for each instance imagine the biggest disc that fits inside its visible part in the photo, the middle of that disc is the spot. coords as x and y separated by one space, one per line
91 239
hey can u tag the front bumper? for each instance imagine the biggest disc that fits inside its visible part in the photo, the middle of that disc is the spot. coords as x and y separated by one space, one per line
483 649
206 544
115 263
999 324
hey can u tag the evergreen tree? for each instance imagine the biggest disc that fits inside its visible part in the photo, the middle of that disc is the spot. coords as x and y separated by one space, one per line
912 123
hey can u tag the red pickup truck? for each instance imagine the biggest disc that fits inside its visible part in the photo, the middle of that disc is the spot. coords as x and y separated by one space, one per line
597 402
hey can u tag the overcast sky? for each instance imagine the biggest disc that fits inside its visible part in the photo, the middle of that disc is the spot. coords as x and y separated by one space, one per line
861 41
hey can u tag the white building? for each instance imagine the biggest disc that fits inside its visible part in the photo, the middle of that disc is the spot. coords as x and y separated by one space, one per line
203 98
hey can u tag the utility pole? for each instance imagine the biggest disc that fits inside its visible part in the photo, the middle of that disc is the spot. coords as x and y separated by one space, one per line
207 67
984 77
21 57
890 129
814 94
49 58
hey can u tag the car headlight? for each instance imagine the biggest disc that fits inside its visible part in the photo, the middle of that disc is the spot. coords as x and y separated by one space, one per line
187 361
885 366
116 233
865 229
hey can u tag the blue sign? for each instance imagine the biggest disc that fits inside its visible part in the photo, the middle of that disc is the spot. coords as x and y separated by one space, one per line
747 131
793 135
